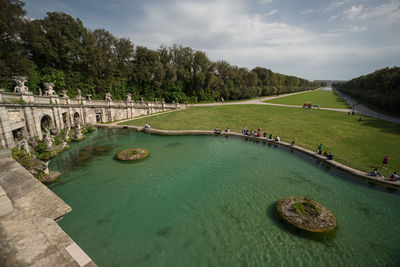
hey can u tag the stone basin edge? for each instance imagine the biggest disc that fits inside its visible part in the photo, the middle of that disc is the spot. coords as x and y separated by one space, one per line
337 165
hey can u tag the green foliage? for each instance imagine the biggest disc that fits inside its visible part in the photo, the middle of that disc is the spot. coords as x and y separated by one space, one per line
18 101
22 157
40 147
57 140
307 208
380 89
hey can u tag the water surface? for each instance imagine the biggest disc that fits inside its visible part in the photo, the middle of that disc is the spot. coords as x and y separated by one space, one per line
210 201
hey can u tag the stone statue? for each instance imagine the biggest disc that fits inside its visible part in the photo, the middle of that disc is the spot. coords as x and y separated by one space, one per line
128 97
64 94
40 91
78 94
163 101
78 131
47 139
20 87
107 97
49 89
25 146
89 96
45 168
141 100
156 100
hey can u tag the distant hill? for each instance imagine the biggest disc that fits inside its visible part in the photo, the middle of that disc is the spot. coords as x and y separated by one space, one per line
380 89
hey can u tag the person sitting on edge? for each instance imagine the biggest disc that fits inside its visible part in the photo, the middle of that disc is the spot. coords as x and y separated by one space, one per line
247 132
227 130
277 138
251 133
217 130
376 173
325 153
330 156
394 176
293 143
270 136
265 134
258 134
146 125
244 130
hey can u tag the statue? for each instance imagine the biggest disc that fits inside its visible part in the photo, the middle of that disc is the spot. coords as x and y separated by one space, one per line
128 97
78 131
40 91
141 100
64 94
89 96
49 89
47 139
20 87
108 97
156 100
163 101
78 94
45 168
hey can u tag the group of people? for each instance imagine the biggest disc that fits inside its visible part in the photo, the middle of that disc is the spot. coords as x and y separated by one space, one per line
309 106
385 162
352 112
324 153
257 133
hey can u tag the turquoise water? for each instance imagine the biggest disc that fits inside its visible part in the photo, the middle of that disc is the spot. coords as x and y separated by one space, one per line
211 201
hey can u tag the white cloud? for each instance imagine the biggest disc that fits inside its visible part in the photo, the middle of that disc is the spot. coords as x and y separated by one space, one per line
356 28
306 12
389 10
335 4
354 12
265 2
272 12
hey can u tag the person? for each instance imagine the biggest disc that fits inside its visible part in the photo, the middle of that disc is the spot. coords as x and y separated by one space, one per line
325 154
265 134
258 134
376 173
394 176
247 132
330 156
385 162
227 130
217 130
146 125
277 138
348 113
352 113
319 150
244 130
293 143
360 119
251 132
270 136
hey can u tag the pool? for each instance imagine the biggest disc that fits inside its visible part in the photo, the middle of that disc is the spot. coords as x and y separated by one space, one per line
211 201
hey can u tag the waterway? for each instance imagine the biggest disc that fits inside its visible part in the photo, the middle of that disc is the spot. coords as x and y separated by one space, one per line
211 201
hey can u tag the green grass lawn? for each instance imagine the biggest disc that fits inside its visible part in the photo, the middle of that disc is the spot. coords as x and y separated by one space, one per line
361 145
325 99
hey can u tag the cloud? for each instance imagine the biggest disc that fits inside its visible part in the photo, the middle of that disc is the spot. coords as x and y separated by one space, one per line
265 2
389 10
335 4
306 12
216 24
356 28
272 12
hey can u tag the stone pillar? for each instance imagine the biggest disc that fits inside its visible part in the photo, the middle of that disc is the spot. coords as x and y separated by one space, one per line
30 121
6 136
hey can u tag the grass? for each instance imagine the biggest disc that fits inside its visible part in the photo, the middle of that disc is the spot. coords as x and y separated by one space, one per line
325 99
361 145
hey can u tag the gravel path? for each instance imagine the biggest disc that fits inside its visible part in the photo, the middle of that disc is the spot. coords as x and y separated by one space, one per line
363 110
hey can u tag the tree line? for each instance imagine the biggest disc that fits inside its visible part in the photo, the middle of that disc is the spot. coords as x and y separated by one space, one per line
380 89
59 49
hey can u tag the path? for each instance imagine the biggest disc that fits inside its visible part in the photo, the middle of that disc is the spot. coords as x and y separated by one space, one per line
363 110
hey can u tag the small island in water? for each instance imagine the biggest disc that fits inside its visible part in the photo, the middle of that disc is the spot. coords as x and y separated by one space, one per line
132 154
307 214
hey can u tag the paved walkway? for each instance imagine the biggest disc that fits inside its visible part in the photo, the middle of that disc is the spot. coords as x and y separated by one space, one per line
363 110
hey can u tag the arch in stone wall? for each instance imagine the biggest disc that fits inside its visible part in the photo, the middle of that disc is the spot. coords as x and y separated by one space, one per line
46 121
77 118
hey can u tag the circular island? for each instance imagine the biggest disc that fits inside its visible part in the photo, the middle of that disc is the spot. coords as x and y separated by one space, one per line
306 214
132 154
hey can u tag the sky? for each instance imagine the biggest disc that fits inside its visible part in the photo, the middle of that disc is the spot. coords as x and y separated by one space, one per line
311 39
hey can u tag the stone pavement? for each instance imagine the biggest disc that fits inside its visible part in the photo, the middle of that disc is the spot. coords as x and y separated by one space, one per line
29 234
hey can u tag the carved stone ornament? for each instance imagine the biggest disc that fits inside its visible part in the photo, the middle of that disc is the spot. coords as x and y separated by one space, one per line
20 87
107 97
49 89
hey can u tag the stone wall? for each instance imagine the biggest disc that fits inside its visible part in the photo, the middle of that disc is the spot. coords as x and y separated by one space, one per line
25 112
